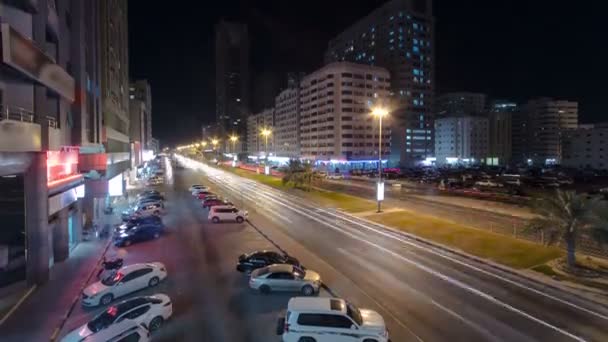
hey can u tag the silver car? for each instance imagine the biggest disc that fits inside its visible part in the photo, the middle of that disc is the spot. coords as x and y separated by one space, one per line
285 277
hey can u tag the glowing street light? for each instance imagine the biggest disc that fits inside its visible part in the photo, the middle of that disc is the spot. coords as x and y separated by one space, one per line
265 132
214 142
233 140
380 113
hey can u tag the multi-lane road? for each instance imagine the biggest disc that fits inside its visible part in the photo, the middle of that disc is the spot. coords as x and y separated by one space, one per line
423 293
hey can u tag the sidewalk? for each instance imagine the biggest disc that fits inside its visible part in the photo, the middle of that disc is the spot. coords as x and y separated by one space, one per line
41 313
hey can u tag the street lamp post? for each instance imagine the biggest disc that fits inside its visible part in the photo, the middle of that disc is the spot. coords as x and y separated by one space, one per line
265 133
214 142
233 140
380 113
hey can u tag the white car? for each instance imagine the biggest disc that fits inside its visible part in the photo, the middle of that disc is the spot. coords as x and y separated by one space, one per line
489 183
323 319
226 213
151 311
125 280
127 330
335 176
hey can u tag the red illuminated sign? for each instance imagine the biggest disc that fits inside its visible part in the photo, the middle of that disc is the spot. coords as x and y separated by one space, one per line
61 164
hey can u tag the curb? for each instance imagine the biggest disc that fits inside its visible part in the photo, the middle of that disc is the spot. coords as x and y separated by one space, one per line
65 317
18 304
489 263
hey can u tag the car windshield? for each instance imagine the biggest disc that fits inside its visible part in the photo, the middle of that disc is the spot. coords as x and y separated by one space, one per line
103 319
354 313
112 279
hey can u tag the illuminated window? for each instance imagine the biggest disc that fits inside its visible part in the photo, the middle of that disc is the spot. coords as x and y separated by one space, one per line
416 49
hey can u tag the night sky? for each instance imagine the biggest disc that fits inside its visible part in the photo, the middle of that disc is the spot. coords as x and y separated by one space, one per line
507 49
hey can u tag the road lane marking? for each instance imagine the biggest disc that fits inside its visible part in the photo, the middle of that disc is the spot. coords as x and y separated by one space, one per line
441 276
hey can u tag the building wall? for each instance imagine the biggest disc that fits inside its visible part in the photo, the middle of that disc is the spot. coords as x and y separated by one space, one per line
545 122
336 102
232 82
586 148
459 103
256 143
115 74
500 118
141 91
399 36
463 138
287 123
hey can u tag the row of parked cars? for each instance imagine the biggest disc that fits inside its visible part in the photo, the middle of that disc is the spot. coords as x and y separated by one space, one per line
312 319
132 319
220 210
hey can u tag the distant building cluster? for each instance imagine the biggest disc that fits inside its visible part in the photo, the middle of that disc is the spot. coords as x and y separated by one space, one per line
387 59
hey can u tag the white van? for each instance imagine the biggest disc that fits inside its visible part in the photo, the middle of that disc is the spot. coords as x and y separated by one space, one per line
127 330
323 319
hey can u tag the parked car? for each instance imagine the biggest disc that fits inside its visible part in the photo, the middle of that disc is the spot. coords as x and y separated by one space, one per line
335 176
143 210
148 193
151 311
148 201
328 320
194 187
126 330
226 213
139 233
155 197
126 280
139 220
209 202
258 259
202 194
488 183
285 277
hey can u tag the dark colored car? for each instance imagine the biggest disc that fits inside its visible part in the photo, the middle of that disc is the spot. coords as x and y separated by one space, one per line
204 194
135 221
151 197
149 193
139 233
210 202
259 259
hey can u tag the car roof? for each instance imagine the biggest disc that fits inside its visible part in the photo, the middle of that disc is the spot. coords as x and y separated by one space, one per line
134 267
280 268
223 207
316 304
120 329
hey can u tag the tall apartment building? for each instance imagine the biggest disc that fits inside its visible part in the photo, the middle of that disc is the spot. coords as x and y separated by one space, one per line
398 36
461 140
500 120
460 103
256 143
232 85
538 130
115 85
335 119
48 102
141 91
586 148
287 120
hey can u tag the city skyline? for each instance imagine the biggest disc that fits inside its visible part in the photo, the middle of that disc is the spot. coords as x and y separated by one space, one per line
499 49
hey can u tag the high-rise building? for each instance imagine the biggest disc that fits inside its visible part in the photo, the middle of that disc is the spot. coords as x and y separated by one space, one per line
335 119
586 147
141 91
459 103
398 36
461 140
48 80
538 130
232 85
257 143
500 120
115 85
287 119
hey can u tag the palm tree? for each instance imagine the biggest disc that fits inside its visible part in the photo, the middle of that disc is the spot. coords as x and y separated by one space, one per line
565 216
299 174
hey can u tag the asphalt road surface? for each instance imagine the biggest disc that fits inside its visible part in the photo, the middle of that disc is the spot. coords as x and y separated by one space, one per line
424 294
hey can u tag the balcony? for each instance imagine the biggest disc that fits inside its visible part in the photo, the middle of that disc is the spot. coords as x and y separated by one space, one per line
20 130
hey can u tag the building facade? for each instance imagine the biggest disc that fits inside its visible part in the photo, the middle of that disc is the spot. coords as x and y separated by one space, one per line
335 120
47 104
257 143
232 79
398 36
461 140
460 103
287 122
540 128
500 121
586 148
141 91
